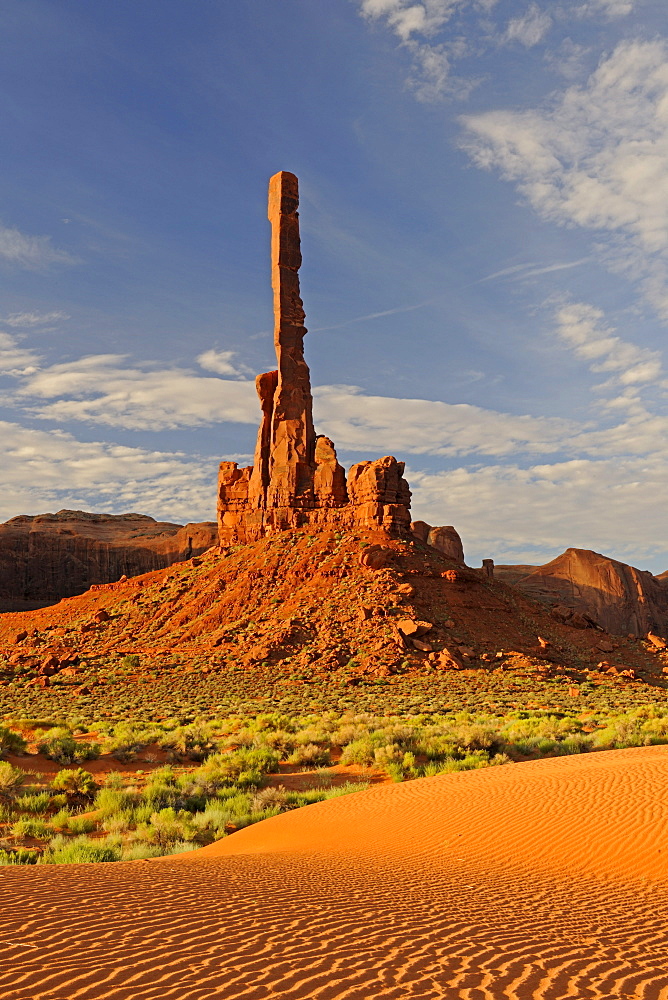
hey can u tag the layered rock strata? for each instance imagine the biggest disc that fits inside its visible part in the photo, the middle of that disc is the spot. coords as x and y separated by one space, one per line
49 556
296 478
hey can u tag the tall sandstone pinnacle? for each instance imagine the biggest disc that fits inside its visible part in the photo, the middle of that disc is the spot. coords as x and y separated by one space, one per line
296 478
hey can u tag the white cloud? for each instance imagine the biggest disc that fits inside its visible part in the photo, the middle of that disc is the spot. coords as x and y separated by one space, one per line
43 470
220 362
407 19
99 389
415 25
502 511
358 422
32 252
530 28
609 8
584 329
596 157
15 360
28 320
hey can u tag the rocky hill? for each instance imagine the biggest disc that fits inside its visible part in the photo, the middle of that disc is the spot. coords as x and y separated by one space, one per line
49 556
619 597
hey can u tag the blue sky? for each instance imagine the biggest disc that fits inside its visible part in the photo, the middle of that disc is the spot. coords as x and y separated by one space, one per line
484 208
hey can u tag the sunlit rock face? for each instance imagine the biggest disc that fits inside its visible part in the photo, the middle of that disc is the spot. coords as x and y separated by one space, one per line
296 478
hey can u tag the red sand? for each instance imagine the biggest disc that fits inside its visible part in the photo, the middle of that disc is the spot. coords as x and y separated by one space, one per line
542 880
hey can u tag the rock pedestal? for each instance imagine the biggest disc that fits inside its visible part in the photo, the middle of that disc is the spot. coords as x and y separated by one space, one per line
296 478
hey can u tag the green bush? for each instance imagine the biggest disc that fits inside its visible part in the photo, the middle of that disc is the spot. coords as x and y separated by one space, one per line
131 661
81 850
21 856
166 826
310 755
31 828
141 852
109 801
36 803
81 824
11 778
60 819
75 782
11 742
59 745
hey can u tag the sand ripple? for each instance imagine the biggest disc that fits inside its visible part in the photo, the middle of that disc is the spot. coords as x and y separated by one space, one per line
546 880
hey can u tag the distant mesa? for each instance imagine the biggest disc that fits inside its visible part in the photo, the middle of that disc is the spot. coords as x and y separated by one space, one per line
49 556
620 598
296 478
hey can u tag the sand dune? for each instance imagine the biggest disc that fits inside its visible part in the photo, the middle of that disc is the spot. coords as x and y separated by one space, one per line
545 880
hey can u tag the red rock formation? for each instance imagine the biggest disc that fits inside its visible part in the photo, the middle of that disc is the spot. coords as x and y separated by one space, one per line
618 597
49 556
445 538
296 478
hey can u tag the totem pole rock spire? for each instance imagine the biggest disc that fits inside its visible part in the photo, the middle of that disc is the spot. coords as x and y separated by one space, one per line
296 478
291 463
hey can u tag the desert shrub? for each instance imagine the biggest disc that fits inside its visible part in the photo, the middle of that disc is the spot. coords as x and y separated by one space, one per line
389 754
131 661
269 798
195 742
119 822
80 850
21 856
75 782
60 819
360 751
11 778
141 852
167 826
59 745
128 739
244 767
38 802
279 740
309 754
29 827
349 733
181 847
109 801
212 819
81 824
11 742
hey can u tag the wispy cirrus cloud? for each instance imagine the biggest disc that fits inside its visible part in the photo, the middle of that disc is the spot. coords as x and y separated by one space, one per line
31 252
32 320
595 156
584 329
529 28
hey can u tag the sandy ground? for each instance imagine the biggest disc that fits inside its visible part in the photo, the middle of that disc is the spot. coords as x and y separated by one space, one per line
540 880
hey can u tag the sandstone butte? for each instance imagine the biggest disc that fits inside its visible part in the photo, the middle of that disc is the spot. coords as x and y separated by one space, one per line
620 598
50 556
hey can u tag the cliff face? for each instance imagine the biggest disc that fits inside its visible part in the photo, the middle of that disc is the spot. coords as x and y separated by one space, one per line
619 597
296 479
49 556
